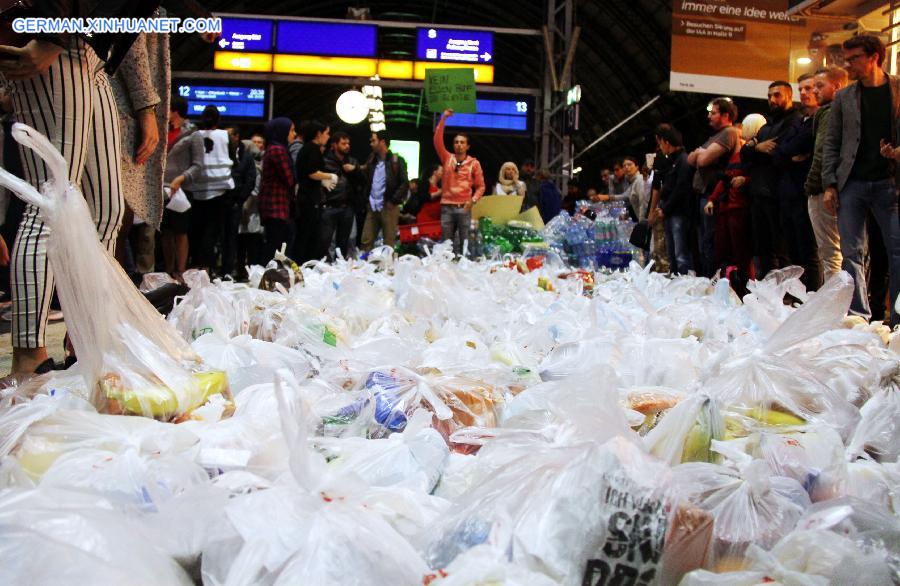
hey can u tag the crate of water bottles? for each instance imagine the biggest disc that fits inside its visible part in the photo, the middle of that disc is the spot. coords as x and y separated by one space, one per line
596 237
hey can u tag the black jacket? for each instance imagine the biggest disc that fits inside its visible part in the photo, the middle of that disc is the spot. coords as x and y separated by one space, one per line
397 182
347 185
799 143
110 47
762 169
676 192
243 171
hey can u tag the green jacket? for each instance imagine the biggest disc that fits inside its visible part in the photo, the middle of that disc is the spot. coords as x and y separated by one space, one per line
813 184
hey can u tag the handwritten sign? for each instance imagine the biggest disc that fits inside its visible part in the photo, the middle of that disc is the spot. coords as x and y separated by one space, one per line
450 88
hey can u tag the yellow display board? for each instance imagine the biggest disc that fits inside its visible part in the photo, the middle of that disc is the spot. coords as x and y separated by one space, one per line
235 61
314 65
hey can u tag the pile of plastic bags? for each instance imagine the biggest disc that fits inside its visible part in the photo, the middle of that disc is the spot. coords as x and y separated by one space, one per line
441 421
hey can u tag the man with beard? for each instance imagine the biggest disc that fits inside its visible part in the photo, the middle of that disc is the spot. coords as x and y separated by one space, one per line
859 164
710 160
827 82
757 155
337 211
793 158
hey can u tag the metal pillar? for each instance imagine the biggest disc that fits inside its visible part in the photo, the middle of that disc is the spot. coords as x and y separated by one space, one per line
559 35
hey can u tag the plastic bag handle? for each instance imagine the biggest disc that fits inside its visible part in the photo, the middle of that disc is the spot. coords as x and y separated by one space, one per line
27 136
21 188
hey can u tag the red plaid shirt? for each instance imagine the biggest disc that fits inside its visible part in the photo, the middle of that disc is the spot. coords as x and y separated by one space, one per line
277 184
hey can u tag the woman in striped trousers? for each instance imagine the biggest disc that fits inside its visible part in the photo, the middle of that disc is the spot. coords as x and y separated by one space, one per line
71 102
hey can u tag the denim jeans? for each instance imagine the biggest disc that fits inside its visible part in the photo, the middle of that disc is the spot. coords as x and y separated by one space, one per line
856 199
707 236
455 223
678 244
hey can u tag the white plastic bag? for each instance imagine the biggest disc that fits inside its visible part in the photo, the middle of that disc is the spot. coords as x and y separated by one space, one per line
314 528
412 459
51 536
878 431
179 202
751 507
130 358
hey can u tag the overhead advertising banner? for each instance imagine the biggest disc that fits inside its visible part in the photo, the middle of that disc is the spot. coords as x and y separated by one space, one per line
738 47
455 45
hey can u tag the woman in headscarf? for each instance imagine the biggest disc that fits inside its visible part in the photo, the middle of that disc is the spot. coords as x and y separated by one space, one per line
508 183
277 187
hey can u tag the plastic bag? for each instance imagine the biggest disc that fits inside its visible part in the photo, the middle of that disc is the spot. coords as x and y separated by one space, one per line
579 489
813 457
64 431
878 432
52 536
247 361
771 387
219 308
483 564
130 358
803 558
412 459
748 507
875 483
152 281
687 431
179 202
313 529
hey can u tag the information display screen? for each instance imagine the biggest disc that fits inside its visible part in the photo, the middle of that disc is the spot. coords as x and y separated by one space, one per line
455 45
248 35
326 38
500 115
232 101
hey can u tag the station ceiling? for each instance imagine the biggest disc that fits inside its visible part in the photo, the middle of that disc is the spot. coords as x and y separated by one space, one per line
622 61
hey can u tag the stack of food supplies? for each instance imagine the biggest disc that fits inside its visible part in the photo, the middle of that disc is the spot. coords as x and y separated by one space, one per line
441 421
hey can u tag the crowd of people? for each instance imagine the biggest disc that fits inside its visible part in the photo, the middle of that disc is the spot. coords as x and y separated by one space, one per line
812 184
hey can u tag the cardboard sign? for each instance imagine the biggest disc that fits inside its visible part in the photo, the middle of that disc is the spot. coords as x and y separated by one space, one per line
450 88
499 208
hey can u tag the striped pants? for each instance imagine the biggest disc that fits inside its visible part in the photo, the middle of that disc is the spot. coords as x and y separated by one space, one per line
73 105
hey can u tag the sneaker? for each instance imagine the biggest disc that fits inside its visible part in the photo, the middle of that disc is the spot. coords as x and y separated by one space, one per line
6 315
55 315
